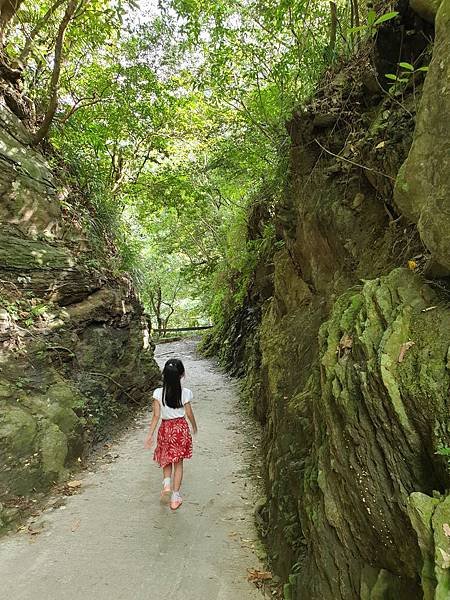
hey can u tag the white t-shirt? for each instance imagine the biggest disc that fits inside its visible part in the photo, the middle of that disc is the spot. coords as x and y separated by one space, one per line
173 413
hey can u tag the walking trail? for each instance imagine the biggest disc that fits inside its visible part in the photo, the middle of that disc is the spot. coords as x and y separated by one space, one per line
115 541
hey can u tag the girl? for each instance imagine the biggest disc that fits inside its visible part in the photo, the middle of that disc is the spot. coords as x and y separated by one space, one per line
172 402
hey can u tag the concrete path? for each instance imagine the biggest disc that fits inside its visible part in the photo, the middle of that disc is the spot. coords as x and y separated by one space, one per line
115 541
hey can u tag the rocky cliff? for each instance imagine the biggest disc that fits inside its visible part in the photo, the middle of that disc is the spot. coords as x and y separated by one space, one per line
75 352
344 336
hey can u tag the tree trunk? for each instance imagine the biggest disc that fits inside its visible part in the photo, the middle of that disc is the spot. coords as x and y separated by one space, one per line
156 302
53 102
166 320
357 21
8 9
333 28
37 28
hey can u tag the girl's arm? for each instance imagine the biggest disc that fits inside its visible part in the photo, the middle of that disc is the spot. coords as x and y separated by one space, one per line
153 424
190 416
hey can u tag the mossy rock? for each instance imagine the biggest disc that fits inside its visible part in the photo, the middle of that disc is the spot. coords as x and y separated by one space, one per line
53 446
441 528
420 509
383 400
47 407
25 254
389 586
88 356
65 395
422 189
18 431
427 9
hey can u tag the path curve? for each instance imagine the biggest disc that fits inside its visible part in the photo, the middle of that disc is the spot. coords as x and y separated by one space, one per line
114 541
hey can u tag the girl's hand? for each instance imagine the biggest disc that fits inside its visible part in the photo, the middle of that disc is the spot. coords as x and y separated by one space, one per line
148 442
191 418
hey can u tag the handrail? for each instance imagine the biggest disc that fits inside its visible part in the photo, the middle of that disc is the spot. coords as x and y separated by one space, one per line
183 329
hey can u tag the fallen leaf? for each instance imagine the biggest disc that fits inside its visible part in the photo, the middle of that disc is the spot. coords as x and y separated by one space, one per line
74 484
445 559
58 503
429 308
404 349
346 341
446 528
75 525
32 531
380 145
358 200
345 344
256 576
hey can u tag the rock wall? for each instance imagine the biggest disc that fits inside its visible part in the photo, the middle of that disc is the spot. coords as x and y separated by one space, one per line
75 351
422 191
347 365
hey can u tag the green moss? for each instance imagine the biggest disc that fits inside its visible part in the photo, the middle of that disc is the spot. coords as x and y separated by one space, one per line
53 445
17 431
65 395
440 523
420 510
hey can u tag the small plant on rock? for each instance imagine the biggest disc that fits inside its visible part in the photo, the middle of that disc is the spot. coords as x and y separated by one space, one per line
370 27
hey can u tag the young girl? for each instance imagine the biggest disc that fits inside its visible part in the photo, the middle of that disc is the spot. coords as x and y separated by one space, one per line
172 402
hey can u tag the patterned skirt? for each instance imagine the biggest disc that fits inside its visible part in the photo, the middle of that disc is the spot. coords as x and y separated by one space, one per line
174 442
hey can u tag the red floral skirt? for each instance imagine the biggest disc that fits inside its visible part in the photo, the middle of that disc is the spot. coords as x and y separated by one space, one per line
174 442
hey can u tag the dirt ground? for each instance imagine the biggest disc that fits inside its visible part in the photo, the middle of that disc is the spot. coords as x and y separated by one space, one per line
114 540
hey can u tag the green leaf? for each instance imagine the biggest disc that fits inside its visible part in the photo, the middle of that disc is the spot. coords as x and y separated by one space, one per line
386 17
355 29
443 451
407 66
391 76
424 69
371 16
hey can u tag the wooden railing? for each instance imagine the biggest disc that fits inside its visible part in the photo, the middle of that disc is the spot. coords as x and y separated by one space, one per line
175 329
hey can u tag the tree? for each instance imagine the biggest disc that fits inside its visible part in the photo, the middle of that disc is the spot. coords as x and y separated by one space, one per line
42 132
39 26
8 8
173 127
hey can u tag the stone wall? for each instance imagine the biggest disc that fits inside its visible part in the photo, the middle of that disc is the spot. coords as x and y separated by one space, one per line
347 366
75 351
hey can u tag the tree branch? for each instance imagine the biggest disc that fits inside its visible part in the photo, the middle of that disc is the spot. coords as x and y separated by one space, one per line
352 162
8 9
37 28
43 130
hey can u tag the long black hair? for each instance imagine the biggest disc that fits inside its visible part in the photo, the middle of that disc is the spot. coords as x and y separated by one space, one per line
172 373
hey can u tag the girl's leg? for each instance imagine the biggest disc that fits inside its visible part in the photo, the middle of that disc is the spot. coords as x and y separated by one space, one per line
167 474
167 471
177 475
